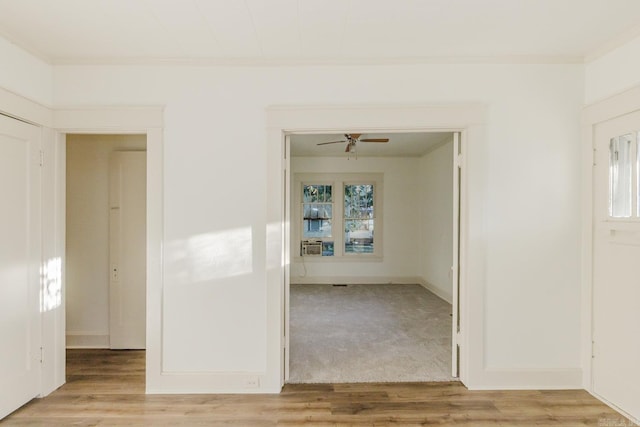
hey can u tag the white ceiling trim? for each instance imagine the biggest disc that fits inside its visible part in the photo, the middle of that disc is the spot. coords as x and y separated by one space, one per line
258 62
29 49
612 45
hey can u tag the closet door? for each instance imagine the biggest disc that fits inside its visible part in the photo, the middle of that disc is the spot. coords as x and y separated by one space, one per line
20 263
127 249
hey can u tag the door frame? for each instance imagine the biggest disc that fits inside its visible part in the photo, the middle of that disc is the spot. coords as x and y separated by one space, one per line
458 169
619 105
283 120
54 124
129 120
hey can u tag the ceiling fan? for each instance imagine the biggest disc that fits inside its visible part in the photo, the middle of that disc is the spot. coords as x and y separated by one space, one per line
351 139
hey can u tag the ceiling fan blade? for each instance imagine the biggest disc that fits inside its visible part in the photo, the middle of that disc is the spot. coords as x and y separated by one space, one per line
375 140
348 148
331 142
354 135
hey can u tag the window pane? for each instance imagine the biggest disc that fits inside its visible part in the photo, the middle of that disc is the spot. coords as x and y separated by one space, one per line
317 211
358 236
327 194
316 221
310 193
358 215
620 176
316 214
316 228
358 201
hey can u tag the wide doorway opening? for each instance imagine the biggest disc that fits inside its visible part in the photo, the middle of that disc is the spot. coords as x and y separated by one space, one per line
106 249
372 280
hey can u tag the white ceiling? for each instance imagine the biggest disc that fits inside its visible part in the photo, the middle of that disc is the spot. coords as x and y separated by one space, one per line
80 31
410 144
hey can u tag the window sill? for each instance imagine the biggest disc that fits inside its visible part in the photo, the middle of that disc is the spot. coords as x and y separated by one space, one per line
340 258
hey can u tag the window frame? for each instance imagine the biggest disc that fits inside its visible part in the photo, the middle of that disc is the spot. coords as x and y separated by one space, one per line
374 217
338 182
323 202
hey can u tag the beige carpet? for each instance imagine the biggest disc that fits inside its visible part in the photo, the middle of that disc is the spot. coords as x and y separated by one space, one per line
368 333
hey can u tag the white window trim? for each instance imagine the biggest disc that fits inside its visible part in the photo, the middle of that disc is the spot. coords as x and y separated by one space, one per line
337 181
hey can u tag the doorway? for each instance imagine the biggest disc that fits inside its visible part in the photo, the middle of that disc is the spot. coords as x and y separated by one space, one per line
411 174
106 296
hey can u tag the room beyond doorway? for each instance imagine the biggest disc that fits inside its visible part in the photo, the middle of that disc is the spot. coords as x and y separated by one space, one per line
96 223
404 214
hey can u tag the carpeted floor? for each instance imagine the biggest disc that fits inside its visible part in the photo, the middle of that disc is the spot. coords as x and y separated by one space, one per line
368 333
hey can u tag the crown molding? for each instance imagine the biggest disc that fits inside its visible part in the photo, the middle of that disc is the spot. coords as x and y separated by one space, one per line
612 44
292 61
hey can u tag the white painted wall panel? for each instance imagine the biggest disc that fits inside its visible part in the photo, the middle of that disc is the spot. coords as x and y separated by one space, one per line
436 218
214 183
24 74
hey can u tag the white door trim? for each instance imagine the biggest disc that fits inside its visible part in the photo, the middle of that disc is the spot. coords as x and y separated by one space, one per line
458 170
607 109
281 120
133 120
55 124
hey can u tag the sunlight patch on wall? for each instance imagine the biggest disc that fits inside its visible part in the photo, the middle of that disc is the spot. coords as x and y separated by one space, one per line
210 256
274 246
50 284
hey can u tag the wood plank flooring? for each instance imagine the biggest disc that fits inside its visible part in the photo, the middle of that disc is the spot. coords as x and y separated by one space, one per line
107 388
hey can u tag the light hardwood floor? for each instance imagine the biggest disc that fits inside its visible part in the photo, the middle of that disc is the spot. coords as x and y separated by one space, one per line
107 388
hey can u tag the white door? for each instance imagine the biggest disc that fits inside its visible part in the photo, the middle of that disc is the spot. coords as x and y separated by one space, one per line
127 249
20 261
455 268
616 264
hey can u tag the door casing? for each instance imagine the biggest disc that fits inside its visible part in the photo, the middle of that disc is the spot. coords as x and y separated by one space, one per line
616 106
457 168
283 120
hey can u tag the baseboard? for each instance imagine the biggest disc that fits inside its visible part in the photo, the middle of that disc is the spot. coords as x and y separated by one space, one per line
210 383
354 280
87 340
528 379
448 297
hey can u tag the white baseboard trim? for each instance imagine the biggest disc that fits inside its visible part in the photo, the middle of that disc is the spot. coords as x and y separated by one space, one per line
210 383
87 340
448 297
354 280
528 379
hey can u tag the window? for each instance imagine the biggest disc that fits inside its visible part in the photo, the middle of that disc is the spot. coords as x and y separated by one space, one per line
358 218
317 208
338 216
624 179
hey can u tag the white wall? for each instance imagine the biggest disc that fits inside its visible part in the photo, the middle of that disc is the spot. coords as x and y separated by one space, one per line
400 219
526 175
613 72
436 219
87 262
24 74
